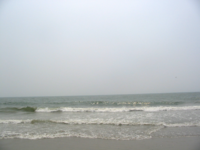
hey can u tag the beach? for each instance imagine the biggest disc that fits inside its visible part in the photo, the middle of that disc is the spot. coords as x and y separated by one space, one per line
178 143
168 121
99 75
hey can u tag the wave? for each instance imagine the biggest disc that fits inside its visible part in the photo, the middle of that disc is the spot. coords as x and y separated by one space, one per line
122 109
14 121
99 109
100 103
118 103
99 122
15 109
34 136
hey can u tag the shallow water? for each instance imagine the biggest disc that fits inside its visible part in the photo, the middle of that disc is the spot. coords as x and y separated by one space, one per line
120 117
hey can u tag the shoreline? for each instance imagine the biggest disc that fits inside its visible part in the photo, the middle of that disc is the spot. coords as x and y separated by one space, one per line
73 143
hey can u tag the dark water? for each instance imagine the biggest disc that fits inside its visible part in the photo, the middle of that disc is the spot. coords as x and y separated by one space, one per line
120 117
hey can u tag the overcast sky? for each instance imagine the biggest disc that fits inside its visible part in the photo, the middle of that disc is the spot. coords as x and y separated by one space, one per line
95 47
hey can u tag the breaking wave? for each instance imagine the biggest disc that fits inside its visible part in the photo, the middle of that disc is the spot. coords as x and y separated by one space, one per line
122 109
99 109
98 122
15 109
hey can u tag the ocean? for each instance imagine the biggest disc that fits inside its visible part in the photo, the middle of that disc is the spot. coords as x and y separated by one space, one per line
117 117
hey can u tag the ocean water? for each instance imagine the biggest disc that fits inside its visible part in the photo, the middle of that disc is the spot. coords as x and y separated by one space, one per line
118 117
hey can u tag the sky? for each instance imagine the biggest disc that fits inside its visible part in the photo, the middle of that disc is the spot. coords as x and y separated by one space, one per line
101 47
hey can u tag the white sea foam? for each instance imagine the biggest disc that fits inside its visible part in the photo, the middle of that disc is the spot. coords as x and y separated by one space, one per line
182 125
59 135
34 136
128 123
101 122
14 121
122 117
122 109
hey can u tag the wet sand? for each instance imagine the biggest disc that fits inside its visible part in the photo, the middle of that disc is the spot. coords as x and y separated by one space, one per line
180 143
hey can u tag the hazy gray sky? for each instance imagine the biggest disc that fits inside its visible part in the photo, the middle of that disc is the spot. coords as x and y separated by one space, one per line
89 47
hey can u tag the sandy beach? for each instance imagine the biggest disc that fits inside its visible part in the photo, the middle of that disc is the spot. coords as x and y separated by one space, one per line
182 143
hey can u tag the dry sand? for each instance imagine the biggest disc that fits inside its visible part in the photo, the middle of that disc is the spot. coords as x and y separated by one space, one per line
181 143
